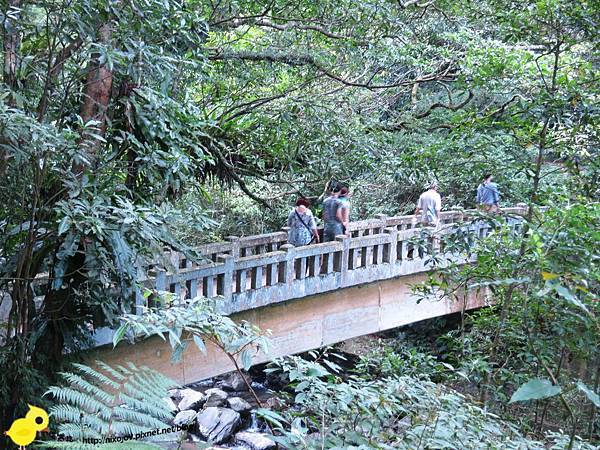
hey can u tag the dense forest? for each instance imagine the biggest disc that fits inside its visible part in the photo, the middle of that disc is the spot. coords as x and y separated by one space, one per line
129 128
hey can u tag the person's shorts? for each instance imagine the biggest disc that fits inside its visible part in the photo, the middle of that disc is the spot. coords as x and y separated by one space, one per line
330 231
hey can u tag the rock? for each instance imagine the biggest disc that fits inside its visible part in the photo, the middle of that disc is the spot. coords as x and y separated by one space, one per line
191 399
171 406
274 403
175 394
236 381
239 404
217 424
256 441
185 417
224 385
215 397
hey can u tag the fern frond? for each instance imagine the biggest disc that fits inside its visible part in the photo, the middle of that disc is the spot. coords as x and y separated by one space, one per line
97 375
112 372
103 401
77 431
65 413
125 371
87 404
84 385
138 417
129 445
156 409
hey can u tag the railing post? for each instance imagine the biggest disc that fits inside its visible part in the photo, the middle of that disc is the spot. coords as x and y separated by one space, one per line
175 259
235 246
287 269
383 219
340 263
523 207
140 301
378 255
287 232
225 280
436 241
390 252
161 280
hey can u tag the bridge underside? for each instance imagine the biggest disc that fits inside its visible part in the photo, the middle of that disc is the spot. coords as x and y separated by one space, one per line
300 325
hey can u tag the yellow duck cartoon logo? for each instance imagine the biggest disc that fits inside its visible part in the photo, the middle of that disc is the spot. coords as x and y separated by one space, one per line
23 431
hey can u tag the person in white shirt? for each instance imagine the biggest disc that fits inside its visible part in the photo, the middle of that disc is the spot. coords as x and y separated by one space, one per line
430 206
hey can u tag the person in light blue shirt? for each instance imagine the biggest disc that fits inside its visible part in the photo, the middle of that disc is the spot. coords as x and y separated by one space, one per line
488 196
303 228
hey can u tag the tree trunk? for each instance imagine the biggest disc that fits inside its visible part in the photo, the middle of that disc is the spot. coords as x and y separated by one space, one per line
11 44
97 95
60 304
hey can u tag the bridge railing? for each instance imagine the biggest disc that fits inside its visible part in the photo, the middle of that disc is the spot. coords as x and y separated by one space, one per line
249 272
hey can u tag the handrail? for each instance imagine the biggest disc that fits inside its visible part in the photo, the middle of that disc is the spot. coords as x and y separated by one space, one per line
250 245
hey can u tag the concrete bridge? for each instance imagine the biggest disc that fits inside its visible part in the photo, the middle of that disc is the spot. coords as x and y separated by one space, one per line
307 296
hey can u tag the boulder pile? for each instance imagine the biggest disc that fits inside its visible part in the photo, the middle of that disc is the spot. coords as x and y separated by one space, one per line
219 413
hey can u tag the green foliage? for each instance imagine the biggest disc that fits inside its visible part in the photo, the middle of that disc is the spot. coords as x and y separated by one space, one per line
385 413
402 360
103 402
535 389
195 321
544 282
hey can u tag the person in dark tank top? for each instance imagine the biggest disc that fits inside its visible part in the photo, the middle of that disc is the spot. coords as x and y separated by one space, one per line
332 226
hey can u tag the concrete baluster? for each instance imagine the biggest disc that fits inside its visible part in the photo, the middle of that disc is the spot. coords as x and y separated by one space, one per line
287 268
435 240
378 249
286 230
225 280
315 265
341 258
301 268
235 246
390 251
193 288
161 280
403 249
256 279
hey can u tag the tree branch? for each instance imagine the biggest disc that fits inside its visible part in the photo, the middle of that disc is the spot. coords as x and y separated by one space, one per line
298 60
451 106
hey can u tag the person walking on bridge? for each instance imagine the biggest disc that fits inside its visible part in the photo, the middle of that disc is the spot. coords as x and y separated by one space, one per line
343 213
332 221
303 228
488 196
430 206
